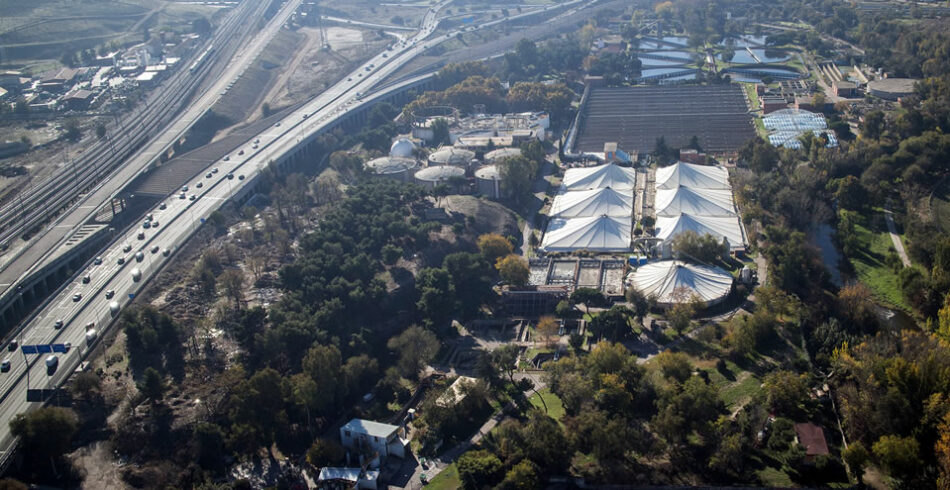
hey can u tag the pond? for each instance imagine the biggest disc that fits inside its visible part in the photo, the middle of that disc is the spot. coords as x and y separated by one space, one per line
650 63
741 56
676 40
771 55
822 236
645 45
681 78
655 72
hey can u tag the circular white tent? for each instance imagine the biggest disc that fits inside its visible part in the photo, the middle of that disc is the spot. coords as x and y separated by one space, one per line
495 156
448 155
673 282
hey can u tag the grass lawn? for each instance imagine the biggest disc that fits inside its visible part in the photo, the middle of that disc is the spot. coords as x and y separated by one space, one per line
774 477
555 407
940 206
869 261
750 93
448 479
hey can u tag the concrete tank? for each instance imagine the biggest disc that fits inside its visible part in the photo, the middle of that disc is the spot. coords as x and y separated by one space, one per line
456 157
488 181
496 156
392 167
438 174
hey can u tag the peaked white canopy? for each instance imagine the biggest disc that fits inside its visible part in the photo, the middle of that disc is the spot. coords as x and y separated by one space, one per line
593 202
668 227
695 176
595 233
609 175
698 202
673 282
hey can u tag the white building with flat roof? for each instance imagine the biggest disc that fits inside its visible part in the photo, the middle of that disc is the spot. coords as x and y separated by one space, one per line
384 440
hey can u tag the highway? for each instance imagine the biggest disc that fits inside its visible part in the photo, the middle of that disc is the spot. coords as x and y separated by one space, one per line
183 213
45 244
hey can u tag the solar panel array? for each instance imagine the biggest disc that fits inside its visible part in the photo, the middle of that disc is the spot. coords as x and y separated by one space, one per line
635 117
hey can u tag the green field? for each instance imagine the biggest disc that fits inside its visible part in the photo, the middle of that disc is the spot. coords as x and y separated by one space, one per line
448 479
555 407
940 205
874 245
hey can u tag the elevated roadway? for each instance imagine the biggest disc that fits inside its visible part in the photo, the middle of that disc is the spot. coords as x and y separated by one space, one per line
52 242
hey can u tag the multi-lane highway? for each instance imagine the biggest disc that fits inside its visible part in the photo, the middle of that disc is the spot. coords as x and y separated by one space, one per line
129 262
158 120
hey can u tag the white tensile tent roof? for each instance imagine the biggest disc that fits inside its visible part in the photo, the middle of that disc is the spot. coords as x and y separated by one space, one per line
593 202
595 233
698 202
609 175
668 227
673 282
689 175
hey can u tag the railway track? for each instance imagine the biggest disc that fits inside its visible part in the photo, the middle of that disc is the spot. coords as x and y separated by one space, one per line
30 210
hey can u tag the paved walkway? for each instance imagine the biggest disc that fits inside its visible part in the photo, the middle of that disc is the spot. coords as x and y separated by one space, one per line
892 230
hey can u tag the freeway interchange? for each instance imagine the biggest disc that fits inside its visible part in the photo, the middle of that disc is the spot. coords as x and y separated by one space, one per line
137 253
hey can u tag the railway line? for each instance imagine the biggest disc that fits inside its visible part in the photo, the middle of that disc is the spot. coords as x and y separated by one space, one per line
25 213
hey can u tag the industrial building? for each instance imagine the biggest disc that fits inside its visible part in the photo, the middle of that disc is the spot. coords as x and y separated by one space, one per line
635 117
484 131
438 174
891 88
488 181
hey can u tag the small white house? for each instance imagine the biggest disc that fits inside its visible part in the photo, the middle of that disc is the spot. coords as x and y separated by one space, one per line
383 439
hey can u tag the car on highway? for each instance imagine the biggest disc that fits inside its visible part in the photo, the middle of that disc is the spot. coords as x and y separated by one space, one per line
155 249
121 261
98 261
350 79
385 55
199 185
214 170
277 125
184 188
230 176
5 366
67 346
241 177
241 152
227 158
256 141
77 297
306 116
110 293
141 235
139 256
90 325
149 217
127 248
162 206
51 362
59 323
155 224
207 175
147 225
255 146
181 196
359 74
13 345
192 197
166 252
86 279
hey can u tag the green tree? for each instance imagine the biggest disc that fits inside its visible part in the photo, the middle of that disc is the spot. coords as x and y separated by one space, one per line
517 175
494 246
613 324
675 365
100 130
513 270
639 304
73 130
440 132
900 456
786 392
857 457
478 469
45 433
588 297
325 452
207 441
522 476
437 296
681 314
152 385
416 346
